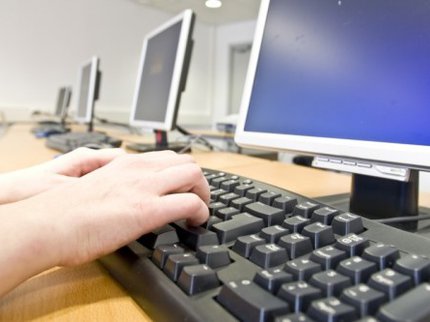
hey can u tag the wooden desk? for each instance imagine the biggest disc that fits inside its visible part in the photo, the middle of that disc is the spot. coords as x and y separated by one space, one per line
87 292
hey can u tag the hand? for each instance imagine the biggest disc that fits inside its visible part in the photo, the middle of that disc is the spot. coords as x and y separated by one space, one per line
21 184
99 212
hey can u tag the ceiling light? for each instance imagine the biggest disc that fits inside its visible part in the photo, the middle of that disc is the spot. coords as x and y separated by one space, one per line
213 3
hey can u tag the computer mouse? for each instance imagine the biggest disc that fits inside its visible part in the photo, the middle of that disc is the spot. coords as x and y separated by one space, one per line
95 146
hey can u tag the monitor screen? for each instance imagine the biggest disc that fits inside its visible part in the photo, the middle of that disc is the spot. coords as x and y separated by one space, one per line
341 78
60 101
63 101
161 75
87 90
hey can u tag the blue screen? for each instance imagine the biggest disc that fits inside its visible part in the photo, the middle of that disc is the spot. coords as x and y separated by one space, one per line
349 69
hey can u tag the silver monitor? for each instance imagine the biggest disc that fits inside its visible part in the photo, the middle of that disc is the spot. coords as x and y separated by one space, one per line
347 82
162 75
88 90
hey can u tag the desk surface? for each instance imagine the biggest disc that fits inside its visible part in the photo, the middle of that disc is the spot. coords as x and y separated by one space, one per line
87 292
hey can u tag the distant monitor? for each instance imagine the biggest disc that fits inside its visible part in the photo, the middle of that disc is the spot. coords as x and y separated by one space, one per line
349 83
161 79
89 83
63 102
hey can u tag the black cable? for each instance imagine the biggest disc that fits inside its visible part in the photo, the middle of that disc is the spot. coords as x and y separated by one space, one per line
204 141
106 121
402 219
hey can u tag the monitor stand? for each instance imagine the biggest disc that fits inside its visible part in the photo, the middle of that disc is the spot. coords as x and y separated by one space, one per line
379 198
161 144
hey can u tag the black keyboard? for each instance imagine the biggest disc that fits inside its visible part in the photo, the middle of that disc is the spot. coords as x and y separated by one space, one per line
267 254
67 142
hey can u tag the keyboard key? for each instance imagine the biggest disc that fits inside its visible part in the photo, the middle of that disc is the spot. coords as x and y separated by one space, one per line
216 193
285 203
330 282
229 185
176 262
215 206
296 245
295 317
228 198
365 299
390 282
357 269
302 269
352 244
226 213
299 295
324 215
213 256
249 302
328 257
347 223
165 235
272 279
240 203
212 220
162 252
270 215
216 182
331 309
305 209
194 237
255 193
417 267
320 234
242 189
295 224
239 225
383 255
272 234
197 278
245 244
411 306
268 197
210 177
268 255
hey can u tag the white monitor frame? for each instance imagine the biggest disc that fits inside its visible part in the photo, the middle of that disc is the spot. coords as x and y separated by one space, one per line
175 86
413 156
94 63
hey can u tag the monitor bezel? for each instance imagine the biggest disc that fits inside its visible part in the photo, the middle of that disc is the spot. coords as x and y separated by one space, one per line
175 87
412 156
94 63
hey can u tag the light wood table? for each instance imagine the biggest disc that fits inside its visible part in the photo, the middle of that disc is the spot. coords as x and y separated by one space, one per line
87 292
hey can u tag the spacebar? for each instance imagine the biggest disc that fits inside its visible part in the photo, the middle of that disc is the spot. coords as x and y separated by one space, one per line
411 306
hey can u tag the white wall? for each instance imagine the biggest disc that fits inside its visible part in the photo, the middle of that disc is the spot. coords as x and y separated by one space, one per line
44 42
227 36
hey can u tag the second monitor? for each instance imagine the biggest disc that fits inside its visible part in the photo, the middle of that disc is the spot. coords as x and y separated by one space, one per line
161 80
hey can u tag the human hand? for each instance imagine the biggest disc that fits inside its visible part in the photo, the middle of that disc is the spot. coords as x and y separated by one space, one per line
99 212
21 184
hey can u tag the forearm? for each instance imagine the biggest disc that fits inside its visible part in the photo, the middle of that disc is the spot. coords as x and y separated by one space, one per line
25 239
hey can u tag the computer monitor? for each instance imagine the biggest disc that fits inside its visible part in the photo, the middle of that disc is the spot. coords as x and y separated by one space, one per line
161 79
349 83
63 102
89 85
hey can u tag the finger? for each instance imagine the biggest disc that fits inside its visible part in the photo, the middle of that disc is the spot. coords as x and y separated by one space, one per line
187 177
155 161
83 160
178 206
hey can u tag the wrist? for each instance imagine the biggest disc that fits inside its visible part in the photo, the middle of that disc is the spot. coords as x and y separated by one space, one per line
27 244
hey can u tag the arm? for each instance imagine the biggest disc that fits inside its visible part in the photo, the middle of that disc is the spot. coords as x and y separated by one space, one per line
21 184
96 214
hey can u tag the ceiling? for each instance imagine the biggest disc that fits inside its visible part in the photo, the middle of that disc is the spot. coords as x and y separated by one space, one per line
231 11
